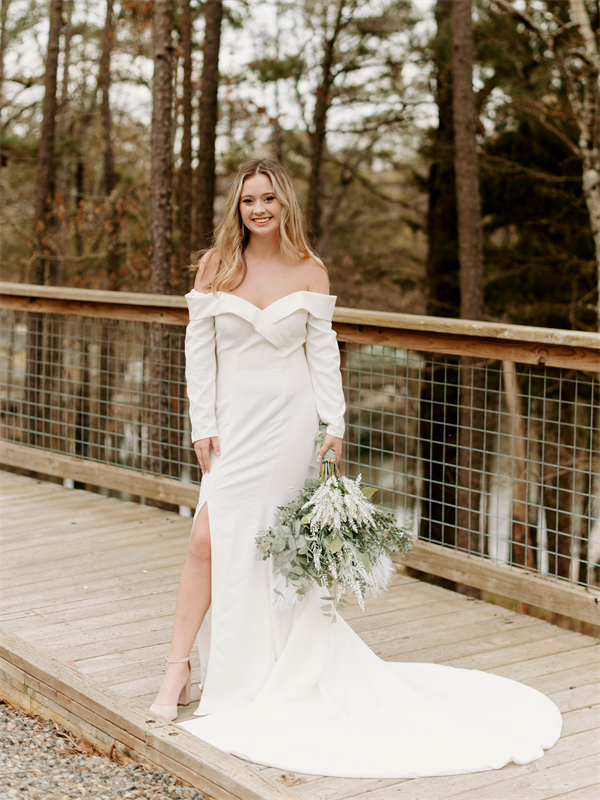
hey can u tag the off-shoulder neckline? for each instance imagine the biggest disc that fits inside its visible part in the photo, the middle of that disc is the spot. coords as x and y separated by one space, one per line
270 305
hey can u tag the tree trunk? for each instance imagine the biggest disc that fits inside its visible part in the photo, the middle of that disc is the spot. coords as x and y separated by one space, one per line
3 36
468 200
162 174
160 428
208 107
588 120
439 399
35 382
185 178
442 234
45 162
319 128
113 281
470 250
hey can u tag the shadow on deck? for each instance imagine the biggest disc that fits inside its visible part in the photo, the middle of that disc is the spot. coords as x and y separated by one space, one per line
88 593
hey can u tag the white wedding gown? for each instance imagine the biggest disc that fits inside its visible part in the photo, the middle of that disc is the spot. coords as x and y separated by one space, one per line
291 689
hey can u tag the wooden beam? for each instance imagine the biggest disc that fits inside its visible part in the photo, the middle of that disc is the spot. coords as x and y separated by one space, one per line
464 327
110 477
522 352
103 310
38 683
70 294
516 583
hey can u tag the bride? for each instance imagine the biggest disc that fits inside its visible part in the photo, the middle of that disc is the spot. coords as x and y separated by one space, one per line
287 688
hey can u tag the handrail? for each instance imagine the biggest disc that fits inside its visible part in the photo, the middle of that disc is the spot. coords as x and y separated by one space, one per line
66 295
489 340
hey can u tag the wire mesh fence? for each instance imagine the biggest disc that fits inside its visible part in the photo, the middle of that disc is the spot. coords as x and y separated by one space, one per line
493 458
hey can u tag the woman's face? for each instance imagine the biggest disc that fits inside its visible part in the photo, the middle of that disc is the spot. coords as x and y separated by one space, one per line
259 208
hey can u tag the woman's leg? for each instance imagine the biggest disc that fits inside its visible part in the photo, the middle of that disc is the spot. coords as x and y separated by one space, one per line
193 600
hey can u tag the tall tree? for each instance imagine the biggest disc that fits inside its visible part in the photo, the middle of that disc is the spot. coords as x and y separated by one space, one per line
442 257
185 177
578 65
3 41
318 133
162 172
468 198
470 253
161 430
109 178
438 410
37 382
208 108
46 162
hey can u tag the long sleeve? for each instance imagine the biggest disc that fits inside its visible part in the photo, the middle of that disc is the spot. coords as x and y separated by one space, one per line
201 376
323 356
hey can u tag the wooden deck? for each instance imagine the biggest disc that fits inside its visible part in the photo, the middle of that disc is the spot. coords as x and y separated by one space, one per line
90 582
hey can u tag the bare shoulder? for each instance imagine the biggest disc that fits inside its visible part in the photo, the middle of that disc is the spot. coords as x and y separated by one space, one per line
206 271
317 277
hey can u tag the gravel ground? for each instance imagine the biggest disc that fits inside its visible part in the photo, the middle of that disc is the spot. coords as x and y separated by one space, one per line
42 761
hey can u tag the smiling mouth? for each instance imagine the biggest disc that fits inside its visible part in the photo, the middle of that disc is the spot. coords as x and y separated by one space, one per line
261 220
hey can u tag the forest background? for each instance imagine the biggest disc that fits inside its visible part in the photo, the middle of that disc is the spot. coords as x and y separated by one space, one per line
122 124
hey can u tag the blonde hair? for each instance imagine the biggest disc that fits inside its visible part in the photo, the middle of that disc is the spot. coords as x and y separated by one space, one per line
232 236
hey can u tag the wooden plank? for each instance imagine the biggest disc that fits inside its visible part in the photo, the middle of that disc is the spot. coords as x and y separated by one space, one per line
520 351
514 582
574 699
588 793
555 765
419 614
552 782
103 611
568 678
582 719
107 711
107 475
459 631
63 559
563 643
445 325
128 306
455 647
551 664
130 582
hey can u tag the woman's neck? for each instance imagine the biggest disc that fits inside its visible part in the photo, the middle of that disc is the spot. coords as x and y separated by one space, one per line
264 250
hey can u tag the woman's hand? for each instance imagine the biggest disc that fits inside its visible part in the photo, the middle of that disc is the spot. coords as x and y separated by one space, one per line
202 448
333 442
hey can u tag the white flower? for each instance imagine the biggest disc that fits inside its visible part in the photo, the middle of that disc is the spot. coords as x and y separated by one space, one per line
334 505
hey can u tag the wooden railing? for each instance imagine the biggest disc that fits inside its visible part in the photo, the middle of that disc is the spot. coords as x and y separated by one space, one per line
442 414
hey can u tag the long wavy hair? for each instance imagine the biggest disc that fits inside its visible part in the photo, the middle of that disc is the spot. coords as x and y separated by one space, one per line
231 236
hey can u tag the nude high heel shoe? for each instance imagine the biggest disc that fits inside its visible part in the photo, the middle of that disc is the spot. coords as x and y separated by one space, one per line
170 712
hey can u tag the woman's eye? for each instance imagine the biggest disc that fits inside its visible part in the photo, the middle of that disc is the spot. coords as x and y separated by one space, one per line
269 199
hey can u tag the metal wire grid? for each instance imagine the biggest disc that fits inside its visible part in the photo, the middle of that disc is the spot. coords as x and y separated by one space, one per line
512 474
106 390
530 452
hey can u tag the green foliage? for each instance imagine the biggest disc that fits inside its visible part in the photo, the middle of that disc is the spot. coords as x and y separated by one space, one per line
341 552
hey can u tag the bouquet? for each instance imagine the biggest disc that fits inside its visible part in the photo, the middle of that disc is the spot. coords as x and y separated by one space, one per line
334 536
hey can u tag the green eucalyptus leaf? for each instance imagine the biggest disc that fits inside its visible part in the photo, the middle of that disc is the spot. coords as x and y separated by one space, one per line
369 491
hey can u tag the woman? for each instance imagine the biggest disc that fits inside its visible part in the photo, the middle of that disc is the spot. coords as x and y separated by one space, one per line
288 688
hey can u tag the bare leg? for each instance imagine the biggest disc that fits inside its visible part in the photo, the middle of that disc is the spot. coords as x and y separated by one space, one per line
193 600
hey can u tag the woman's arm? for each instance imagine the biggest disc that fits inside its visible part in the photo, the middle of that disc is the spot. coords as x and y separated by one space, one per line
201 373
323 356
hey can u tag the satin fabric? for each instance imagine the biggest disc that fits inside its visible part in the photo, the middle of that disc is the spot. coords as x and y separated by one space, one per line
291 689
